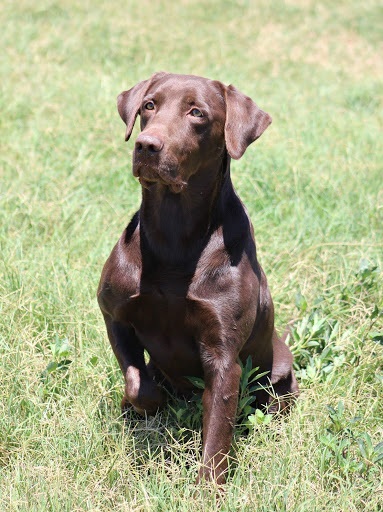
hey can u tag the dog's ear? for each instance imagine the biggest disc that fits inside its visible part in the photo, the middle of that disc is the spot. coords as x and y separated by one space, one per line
129 102
128 105
245 122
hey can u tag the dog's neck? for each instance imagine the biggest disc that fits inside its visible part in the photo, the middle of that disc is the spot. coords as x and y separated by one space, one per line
175 227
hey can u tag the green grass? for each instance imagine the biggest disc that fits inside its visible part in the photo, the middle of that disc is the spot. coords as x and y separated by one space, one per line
314 187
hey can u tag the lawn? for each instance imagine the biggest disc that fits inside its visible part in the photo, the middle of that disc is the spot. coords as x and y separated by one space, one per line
313 185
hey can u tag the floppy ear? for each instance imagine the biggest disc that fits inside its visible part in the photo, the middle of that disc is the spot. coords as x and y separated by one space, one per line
245 122
128 105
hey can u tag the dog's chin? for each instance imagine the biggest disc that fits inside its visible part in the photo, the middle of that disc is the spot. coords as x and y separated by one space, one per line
150 178
174 187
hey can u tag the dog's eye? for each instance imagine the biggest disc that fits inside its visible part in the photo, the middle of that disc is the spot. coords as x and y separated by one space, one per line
196 113
149 105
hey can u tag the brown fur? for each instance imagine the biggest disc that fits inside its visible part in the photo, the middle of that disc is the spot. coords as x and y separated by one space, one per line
183 281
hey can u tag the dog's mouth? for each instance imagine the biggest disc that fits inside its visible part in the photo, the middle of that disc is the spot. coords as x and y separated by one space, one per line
176 188
150 177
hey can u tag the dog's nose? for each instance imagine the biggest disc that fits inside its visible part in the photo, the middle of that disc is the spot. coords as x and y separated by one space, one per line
146 143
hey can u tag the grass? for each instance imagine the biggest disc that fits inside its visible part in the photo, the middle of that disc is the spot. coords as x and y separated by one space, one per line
313 186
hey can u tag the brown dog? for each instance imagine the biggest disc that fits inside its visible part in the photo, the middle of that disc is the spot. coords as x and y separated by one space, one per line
183 281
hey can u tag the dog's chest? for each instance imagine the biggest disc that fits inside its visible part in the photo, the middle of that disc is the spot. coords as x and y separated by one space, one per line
164 326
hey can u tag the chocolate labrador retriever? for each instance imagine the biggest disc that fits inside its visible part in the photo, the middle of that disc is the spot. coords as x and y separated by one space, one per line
183 281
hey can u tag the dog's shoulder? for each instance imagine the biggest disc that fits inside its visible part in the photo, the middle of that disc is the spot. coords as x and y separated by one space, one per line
120 277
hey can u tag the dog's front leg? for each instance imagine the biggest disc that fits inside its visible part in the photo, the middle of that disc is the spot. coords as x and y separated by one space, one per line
220 399
141 391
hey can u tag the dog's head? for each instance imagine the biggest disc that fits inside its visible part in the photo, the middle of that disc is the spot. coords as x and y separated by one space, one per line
187 123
